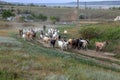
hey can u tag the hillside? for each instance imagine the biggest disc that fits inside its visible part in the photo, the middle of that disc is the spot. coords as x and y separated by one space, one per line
30 60
4 3
98 3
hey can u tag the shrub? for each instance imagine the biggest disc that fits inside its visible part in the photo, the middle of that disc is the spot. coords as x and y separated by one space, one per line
7 13
90 32
42 17
21 19
82 16
103 32
113 34
54 19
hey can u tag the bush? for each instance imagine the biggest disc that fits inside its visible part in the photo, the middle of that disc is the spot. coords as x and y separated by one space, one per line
42 17
30 17
113 34
7 13
21 19
103 32
54 19
82 16
90 32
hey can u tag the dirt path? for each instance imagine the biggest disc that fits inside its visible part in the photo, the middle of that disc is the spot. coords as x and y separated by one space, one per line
106 56
89 53
102 55
90 56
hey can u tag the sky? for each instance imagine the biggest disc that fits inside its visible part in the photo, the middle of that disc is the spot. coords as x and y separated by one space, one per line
49 1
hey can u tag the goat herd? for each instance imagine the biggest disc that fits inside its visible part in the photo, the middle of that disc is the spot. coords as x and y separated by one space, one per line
52 36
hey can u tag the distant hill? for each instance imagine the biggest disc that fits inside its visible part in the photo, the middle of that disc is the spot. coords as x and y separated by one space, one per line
4 3
98 3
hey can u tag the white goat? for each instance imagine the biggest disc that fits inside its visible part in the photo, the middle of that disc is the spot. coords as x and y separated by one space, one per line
63 45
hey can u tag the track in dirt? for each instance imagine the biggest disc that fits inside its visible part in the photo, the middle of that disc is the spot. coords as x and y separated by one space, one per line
91 53
99 58
103 59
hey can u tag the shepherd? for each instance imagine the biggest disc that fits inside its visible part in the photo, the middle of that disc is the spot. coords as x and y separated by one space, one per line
44 27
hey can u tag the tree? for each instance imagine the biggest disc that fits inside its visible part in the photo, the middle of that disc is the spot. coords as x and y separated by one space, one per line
82 16
42 17
7 13
30 17
54 19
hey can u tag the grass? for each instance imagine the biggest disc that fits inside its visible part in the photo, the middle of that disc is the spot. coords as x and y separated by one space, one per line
62 57
108 32
52 67
104 32
5 24
71 29
66 13
6 33
9 43
35 62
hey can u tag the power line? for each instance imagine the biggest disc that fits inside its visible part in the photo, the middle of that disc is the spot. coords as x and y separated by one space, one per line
77 3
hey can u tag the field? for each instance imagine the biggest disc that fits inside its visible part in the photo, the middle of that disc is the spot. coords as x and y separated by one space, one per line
23 60
97 32
65 13
31 60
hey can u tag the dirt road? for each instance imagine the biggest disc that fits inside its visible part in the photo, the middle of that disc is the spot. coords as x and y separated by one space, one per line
91 53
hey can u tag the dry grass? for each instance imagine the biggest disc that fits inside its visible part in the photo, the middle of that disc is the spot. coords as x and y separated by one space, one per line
34 67
34 62
74 32
38 63
6 28
6 32
28 24
65 13
5 24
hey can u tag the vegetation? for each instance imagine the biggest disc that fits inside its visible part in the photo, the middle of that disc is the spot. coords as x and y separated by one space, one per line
90 33
42 17
115 8
7 13
33 61
54 19
4 25
103 32
107 31
24 60
66 13
82 16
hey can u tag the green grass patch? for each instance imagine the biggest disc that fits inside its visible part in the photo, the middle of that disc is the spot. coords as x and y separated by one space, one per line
33 61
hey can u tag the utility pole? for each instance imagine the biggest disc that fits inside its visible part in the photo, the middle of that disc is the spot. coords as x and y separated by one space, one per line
78 4
85 11
75 13
85 5
77 10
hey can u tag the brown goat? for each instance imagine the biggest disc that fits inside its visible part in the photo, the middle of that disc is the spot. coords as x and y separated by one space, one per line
100 45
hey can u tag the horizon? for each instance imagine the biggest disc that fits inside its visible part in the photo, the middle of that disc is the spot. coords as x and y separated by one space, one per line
51 1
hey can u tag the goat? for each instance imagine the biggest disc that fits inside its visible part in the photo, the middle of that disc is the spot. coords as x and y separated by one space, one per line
100 45
46 39
52 42
62 44
84 44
